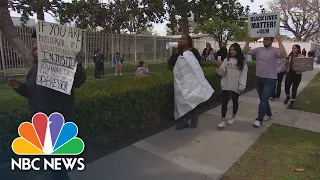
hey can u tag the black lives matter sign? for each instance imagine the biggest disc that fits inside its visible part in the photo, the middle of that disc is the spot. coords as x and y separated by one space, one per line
58 46
264 25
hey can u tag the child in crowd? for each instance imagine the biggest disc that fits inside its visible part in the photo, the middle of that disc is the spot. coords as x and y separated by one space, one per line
142 70
117 61
234 71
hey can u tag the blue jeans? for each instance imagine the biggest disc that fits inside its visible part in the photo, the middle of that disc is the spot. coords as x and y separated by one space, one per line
265 87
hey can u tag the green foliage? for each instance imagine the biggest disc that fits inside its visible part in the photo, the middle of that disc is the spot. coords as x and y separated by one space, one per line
30 7
114 16
179 12
228 21
112 108
86 14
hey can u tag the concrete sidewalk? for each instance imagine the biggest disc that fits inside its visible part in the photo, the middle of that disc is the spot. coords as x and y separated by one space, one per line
196 154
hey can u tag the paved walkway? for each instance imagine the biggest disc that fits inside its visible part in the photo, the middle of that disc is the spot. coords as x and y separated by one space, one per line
199 154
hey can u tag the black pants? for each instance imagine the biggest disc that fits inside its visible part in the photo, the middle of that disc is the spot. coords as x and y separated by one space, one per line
225 100
292 79
277 89
102 69
97 71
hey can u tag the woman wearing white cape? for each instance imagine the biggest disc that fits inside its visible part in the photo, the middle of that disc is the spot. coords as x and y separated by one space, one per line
190 85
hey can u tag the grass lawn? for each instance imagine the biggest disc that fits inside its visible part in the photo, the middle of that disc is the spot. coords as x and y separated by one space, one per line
128 71
309 98
279 154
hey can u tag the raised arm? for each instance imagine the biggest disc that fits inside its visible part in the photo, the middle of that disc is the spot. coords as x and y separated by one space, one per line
282 52
247 49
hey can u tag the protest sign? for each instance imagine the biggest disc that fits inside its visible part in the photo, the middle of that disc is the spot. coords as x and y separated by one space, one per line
264 25
58 46
191 88
301 64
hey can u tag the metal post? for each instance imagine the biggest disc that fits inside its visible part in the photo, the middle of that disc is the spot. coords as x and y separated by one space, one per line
84 48
112 49
2 55
170 48
154 49
135 49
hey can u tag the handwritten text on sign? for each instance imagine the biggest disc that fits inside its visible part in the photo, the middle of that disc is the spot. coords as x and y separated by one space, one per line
264 25
58 46
301 64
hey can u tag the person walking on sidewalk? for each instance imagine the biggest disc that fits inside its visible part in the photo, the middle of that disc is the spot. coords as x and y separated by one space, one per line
293 77
234 79
281 69
266 71
186 44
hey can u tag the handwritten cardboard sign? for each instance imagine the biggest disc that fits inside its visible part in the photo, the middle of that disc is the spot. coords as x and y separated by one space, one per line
264 25
301 64
58 46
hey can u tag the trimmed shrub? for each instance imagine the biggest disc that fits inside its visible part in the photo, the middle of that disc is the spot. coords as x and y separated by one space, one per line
110 108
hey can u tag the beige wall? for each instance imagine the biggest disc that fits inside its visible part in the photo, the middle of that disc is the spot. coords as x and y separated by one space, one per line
200 44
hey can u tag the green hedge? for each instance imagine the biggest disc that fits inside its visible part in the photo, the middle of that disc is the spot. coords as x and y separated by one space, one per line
110 109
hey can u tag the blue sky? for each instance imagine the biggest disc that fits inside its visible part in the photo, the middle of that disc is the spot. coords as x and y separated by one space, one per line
161 28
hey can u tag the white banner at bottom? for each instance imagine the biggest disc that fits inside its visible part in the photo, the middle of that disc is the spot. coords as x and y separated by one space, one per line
191 88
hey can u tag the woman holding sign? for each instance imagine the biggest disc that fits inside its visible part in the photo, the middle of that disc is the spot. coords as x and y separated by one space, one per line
234 71
46 100
293 77
190 86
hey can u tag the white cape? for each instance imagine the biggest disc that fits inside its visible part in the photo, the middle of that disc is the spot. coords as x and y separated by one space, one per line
191 88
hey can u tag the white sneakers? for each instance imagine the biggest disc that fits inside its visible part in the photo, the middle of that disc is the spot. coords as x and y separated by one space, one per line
233 120
266 118
258 123
223 123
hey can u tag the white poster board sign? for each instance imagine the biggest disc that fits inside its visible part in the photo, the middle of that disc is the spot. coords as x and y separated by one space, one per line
58 46
264 25
191 88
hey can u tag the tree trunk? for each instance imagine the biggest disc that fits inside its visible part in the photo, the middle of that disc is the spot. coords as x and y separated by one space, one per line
298 37
10 33
40 14
39 9
185 24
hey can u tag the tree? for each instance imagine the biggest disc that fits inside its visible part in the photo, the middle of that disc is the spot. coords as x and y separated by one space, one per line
298 17
119 16
86 14
227 22
148 31
10 33
30 7
179 12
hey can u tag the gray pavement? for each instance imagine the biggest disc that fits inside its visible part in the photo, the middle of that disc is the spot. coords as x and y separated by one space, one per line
198 154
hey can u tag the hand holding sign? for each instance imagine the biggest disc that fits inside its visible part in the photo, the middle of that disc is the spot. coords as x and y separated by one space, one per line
278 37
287 64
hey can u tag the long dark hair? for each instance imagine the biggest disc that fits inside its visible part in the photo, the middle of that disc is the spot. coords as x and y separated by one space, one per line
298 47
189 38
240 57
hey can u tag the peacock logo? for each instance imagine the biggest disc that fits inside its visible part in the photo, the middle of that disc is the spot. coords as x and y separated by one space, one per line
48 136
